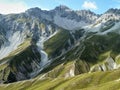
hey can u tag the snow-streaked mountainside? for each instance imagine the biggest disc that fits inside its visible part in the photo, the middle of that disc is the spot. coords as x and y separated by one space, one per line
59 44
70 19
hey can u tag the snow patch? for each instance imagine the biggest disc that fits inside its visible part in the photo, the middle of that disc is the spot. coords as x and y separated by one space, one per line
67 23
14 41
111 64
115 28
52 35
44 56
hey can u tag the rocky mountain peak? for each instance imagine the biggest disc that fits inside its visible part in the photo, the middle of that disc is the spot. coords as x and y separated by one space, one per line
62 7
113 11
85 12
36 9
111 14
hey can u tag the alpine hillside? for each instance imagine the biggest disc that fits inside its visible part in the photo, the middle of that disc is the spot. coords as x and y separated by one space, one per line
60 49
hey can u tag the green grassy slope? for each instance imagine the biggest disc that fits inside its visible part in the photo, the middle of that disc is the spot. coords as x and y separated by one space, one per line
60 41
57 42
19 62
108 80
93 51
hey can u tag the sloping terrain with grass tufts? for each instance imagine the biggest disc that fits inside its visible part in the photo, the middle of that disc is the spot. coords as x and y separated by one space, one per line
108 80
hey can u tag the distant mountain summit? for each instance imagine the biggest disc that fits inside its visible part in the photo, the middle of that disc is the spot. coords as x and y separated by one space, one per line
71 19
114 11
62 7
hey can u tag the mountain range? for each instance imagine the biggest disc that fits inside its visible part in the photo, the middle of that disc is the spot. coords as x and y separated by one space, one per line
60 49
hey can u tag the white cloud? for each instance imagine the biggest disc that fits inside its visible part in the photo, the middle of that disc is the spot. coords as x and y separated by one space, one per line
12 7
89 5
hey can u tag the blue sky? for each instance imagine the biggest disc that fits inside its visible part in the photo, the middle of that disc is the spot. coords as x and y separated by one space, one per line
97 6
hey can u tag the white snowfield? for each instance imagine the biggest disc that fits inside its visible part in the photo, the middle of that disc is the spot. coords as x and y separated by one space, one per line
97 28
13 42
67 23
44 56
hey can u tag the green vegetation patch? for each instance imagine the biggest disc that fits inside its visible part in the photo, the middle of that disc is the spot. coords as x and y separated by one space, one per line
57 42
88 81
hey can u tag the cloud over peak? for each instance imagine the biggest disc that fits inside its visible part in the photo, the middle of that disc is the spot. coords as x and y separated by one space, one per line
12 7
89 5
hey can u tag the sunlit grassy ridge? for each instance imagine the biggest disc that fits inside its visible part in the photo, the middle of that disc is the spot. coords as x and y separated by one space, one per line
56 43
61 40
25 54
108 80
4 68
93 51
